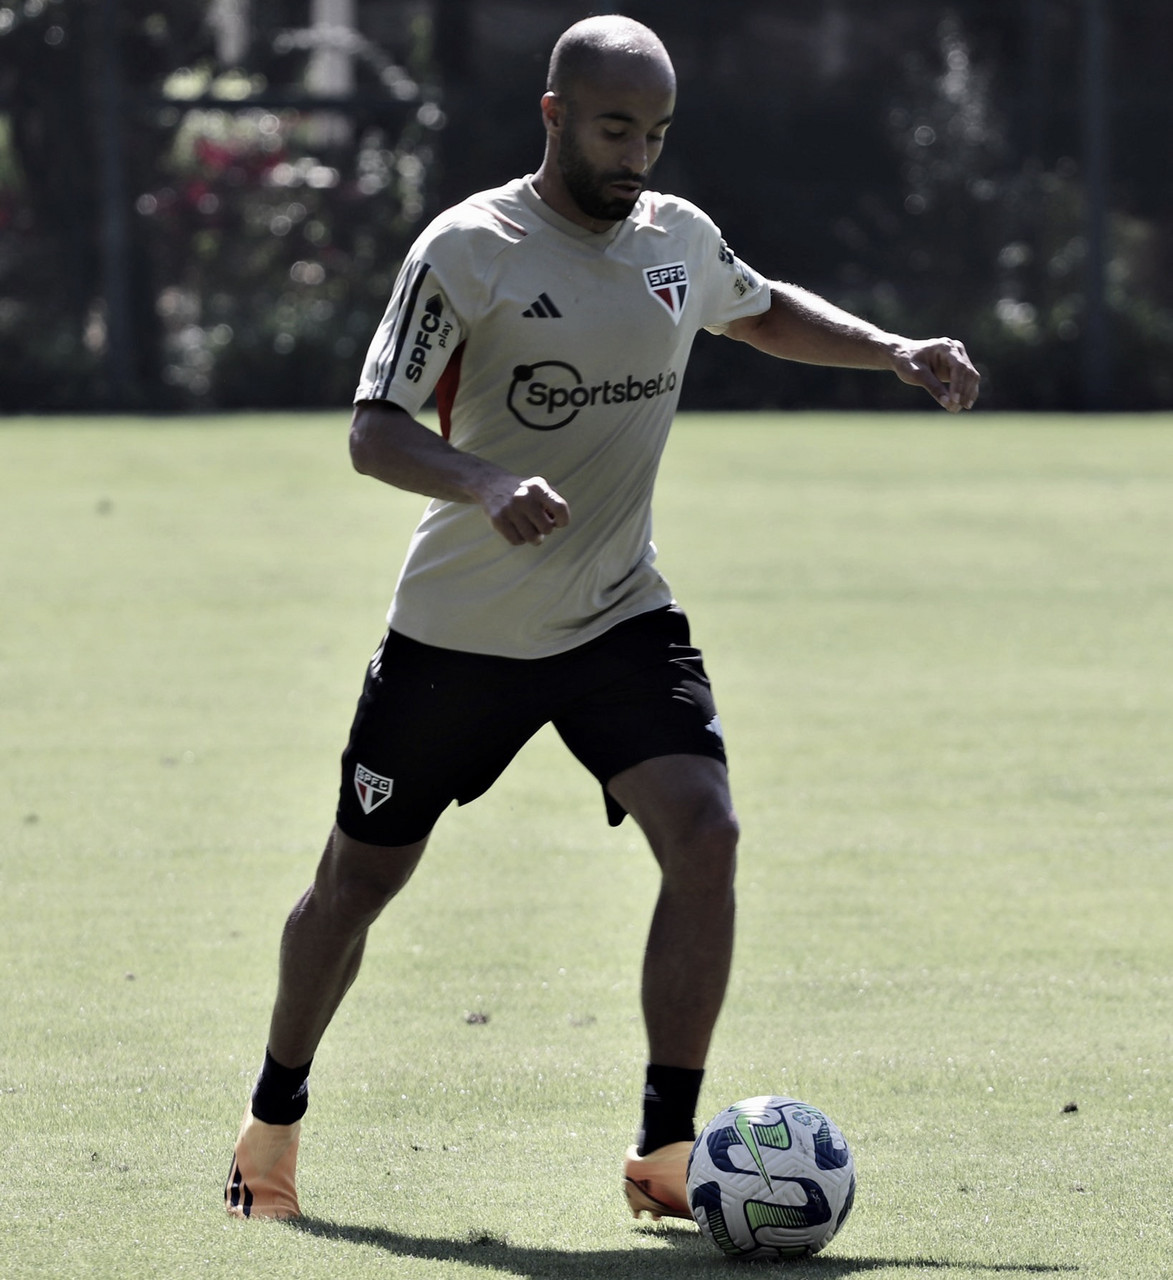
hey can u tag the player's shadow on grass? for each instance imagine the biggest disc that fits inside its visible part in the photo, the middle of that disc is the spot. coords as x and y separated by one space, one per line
688 1254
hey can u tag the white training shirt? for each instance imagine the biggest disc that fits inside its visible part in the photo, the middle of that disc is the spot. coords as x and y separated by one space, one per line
559 352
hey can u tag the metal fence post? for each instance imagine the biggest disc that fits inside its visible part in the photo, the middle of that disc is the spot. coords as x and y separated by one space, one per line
115 238
1097 361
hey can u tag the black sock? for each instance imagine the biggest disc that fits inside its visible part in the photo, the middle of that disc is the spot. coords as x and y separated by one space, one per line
281 1094
670 1097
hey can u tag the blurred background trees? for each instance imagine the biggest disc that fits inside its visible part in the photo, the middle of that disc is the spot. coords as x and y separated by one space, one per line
204 206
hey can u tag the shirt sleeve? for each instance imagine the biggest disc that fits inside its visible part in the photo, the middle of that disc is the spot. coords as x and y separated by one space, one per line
420 330
733 290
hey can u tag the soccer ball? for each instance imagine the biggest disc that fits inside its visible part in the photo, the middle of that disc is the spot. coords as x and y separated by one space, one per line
770 1178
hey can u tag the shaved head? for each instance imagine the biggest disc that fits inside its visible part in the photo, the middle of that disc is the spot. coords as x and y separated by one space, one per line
604 44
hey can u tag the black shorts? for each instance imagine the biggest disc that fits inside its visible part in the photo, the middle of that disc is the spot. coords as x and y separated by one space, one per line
436 725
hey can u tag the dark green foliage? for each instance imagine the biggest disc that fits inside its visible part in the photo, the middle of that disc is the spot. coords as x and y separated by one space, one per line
921 164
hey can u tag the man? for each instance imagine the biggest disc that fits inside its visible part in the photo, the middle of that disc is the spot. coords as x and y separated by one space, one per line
552 318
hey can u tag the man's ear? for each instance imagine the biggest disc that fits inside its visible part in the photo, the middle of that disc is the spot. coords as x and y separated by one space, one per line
553 111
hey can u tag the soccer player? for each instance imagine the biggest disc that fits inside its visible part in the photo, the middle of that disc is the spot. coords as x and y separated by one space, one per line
552 318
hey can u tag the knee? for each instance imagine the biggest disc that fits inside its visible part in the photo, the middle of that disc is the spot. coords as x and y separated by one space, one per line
703 857
355 881
718 833
720 837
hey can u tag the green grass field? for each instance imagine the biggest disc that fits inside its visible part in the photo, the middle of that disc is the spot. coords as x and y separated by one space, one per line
942 650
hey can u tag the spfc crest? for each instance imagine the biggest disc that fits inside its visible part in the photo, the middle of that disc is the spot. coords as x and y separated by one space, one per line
668 284
372 788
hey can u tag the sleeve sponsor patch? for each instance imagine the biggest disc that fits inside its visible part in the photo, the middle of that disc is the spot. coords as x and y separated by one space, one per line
744 279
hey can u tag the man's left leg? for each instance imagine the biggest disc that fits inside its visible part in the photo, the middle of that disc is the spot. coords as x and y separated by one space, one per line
683 806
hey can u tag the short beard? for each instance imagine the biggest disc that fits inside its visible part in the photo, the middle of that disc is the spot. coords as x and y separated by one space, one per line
585 184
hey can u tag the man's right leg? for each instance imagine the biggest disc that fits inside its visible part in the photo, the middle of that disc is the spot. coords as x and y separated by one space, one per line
323 940
321 950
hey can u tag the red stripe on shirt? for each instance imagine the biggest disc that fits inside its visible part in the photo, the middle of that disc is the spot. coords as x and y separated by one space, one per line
446 388
513 226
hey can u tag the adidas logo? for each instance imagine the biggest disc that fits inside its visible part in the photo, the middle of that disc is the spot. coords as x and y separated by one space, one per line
542 309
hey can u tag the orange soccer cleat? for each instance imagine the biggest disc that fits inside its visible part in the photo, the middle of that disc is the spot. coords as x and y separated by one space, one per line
657 1182
261 1181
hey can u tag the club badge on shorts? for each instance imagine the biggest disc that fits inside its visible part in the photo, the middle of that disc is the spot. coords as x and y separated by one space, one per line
373 789
668 284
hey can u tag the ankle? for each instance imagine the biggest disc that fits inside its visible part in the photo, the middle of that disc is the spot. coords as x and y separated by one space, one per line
669 1106
281 1094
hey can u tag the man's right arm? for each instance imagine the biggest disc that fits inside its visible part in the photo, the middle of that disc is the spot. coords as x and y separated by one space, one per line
390 445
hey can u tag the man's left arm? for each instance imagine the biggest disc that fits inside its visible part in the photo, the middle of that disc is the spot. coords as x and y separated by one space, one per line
801 326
